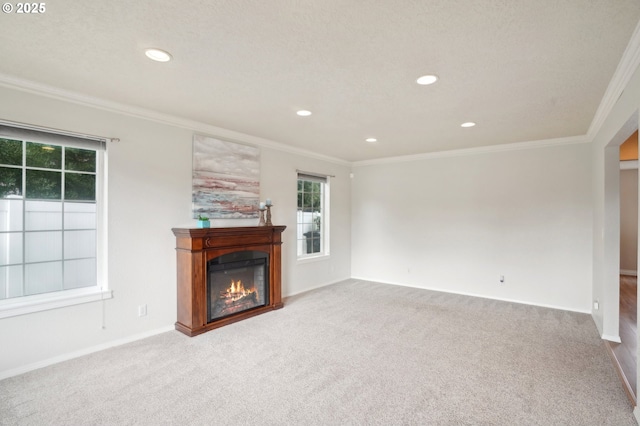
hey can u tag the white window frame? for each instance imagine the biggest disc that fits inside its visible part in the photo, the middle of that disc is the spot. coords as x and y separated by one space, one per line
45 301
325 218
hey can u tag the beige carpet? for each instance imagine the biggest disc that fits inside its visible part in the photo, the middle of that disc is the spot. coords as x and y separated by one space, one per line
355 353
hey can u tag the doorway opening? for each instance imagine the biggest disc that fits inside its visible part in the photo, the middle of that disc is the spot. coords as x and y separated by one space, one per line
620 255
625 351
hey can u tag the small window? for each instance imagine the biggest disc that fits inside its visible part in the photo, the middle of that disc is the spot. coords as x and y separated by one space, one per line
50 204
313 216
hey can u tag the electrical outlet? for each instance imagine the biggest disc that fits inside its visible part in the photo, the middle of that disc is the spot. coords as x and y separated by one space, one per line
596 305
142 310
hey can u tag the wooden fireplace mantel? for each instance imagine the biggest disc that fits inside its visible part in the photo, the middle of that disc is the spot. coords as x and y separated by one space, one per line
196 246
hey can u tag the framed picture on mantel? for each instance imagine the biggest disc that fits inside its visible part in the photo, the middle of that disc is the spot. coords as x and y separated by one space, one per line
226 179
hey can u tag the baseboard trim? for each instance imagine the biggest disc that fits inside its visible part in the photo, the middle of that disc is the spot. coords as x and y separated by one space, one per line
625 383
628 272
520 302
76 354
611 338
71 355
339 280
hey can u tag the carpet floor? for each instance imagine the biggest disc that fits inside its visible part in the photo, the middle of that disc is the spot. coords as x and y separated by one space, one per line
354 353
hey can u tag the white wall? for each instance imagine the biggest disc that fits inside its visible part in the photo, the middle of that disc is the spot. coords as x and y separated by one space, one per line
457 223
149 177
281 176
629 221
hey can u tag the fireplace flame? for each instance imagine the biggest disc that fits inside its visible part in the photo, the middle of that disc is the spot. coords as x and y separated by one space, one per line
237 291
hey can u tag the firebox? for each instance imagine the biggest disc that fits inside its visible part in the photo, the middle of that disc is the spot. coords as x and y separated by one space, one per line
237 282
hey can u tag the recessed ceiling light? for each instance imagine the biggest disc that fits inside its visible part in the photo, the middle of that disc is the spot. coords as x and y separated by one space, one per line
468 124
371 140
303 113
158 55
427 79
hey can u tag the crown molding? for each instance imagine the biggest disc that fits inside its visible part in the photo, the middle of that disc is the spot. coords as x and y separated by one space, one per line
572 140
626 68
15 83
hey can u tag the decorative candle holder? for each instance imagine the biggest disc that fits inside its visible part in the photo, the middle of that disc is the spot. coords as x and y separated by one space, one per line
261 221
269 215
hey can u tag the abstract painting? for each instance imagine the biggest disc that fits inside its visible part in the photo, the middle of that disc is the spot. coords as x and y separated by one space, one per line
226 179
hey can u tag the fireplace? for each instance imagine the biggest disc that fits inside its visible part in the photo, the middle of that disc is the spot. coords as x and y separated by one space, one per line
226 275
237 282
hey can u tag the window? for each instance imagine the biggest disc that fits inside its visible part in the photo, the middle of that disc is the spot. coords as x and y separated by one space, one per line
50 213
313 215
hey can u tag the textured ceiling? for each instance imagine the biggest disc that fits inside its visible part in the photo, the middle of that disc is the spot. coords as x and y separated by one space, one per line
523 70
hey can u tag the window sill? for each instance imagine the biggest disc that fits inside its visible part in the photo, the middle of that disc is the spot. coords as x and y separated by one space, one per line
316 258
44 302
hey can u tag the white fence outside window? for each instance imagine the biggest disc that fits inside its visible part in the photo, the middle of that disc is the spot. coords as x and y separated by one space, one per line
55 257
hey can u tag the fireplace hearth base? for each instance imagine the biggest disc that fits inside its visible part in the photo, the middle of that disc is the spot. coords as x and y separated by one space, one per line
195 247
